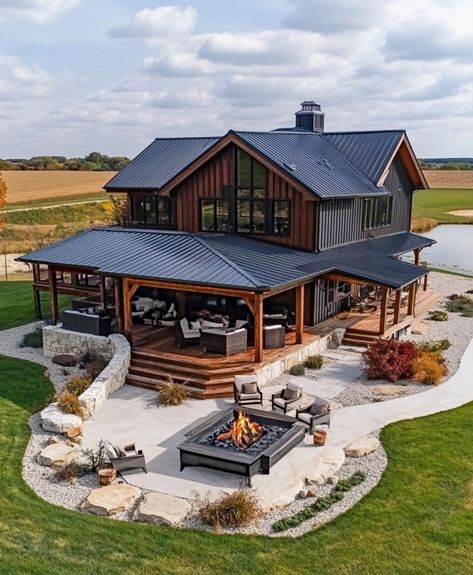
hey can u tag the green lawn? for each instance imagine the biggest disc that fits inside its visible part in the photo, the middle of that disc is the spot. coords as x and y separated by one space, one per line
436 203
419 520
17 305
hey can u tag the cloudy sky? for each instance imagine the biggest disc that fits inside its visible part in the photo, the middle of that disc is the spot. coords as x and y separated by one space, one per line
110 75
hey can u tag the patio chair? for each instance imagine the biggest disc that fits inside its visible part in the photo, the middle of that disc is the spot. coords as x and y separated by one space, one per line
286 398
186 336
246 390
273 336
318 413
127 458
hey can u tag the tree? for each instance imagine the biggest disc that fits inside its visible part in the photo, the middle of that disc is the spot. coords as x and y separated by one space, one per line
3 203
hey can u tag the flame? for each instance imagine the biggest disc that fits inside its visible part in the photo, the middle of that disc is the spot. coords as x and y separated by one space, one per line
243 432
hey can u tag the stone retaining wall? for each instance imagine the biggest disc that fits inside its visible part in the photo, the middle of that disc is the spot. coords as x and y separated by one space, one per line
57 340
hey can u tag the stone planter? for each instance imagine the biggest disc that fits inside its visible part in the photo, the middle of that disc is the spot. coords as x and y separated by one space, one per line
320 437
106 475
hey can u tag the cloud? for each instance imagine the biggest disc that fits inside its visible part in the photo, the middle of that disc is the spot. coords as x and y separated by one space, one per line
22 83
37 11
158 23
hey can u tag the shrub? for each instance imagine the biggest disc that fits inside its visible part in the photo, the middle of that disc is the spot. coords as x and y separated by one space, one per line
321 503
68 403
432 345
429 368
34 338
65 371
461 304
77 384
438 315
96 458
421 225
235 509
389 359
314 362
297 369
96 366
70 472
172 393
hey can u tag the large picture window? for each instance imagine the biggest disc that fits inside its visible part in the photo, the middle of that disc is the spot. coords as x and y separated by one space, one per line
251 188
152 210
214 215
377 212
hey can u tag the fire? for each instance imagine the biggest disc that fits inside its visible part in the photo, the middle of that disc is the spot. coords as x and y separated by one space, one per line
243 432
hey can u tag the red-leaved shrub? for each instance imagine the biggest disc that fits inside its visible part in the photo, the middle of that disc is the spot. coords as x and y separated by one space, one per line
390 359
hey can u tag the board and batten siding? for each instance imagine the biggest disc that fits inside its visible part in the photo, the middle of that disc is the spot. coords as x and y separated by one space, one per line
340 221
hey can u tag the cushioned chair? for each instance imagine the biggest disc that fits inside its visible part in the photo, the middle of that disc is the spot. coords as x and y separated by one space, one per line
246 390
186 336
318 413
125 459
273 336
286 398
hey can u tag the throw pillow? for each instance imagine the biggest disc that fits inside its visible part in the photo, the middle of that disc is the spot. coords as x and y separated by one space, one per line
249 388
110 450
196 325
289 394
318 408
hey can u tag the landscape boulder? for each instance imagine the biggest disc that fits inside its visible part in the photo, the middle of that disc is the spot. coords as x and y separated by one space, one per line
111 499
53 419
362 446
326 467
419 327
389 390
57 455
162 508
65 359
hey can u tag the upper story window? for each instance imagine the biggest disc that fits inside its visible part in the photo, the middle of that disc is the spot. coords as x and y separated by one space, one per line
214 215
377 212
251 189
280 218
151 210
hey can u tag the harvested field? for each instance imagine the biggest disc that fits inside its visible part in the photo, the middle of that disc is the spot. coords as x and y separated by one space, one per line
449 178
33 186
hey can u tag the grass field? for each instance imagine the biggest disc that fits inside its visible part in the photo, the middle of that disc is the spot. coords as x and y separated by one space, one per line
449 178
37 186
435 204
417 521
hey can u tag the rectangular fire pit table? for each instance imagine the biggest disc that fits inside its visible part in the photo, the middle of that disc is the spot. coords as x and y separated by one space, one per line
202 447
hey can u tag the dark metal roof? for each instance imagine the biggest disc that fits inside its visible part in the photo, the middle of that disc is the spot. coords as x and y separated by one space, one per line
370 152
220 260
160 162
311 159
398 244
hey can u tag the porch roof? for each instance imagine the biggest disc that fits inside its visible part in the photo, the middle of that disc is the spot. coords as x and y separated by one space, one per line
226 260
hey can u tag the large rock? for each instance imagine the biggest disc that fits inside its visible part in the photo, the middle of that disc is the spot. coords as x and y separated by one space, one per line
65 359
326 467
57 455
111 499
53 419
389 390
362 446
162 508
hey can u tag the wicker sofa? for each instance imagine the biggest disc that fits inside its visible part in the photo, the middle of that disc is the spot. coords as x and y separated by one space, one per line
83 322
224 341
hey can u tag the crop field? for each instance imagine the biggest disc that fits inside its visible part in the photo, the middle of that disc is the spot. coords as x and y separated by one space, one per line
34 187
449 178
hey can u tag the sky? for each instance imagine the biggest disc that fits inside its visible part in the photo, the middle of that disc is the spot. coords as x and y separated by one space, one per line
111 75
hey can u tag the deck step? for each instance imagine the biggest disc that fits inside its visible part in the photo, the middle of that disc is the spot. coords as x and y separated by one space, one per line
184 367
163 374
217 391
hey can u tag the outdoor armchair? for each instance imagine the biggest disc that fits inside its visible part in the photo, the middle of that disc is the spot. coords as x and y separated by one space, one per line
318 413
286 398
246 390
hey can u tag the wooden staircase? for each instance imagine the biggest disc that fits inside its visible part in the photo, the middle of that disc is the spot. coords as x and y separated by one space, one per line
359 337
151 368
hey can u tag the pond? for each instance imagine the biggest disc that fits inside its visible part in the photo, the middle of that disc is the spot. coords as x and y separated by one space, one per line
453 250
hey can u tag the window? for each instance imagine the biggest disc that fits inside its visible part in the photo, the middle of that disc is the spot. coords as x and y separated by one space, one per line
214 215
251 179
336 291
281 224
377 212
152 210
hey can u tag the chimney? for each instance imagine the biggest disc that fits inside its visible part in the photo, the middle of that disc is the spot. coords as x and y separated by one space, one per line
310 117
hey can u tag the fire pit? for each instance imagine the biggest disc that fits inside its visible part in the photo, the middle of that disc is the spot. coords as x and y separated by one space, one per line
241 441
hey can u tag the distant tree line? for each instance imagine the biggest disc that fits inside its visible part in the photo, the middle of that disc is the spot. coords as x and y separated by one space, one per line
446 163
93 162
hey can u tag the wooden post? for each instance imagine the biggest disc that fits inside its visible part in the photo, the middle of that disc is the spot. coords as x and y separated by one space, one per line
412 299
37 303
127 319
103 293
416 256
118 305
182 303
258 316
426 281
53 294
299 314
397 307
384 310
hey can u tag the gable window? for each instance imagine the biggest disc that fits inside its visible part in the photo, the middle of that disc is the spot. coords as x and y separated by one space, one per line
251 188
377 212
214 215
151 210
281 224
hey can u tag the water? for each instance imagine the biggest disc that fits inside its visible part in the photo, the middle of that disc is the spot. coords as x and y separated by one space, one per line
453 250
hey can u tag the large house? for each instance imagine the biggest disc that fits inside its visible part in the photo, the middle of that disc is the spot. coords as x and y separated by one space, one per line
296 228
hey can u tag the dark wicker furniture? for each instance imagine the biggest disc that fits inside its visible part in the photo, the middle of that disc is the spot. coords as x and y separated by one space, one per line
224 341
242 398
186 336
280 400
308 416
86 323
274 336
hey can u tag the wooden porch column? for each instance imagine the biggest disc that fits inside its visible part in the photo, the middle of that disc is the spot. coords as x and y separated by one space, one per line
384 310
118 305
53 295
258 315
397 307
299 314
412 299
129 290
416 256
426 280
37 303
103 293
182 303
